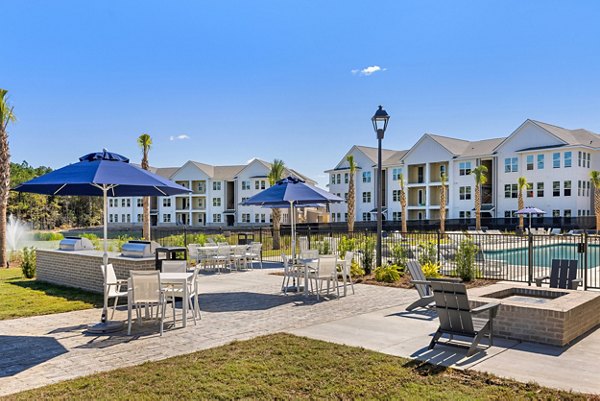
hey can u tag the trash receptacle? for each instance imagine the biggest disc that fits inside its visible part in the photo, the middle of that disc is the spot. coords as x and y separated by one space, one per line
169 253
245 238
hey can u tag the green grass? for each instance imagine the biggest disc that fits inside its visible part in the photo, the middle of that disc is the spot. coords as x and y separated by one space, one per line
283 366
21 297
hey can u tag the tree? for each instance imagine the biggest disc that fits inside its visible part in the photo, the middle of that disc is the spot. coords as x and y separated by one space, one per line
595 178
443 204
403 203
276 174
145 143
521 184
6 116
351 194
479 173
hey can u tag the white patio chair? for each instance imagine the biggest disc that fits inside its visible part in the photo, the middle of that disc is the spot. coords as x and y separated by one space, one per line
325 271
239 256
223 256
346 269
174 266
303 243
309 254
254 254
114 287
193 252
211 241
290 271
146 290
333 244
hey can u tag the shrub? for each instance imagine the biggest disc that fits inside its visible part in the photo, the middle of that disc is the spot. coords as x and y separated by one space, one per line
399 255
387 274
48 236
431 270
29 261
465 260
356 270
324 248
427 253
368 248
346 245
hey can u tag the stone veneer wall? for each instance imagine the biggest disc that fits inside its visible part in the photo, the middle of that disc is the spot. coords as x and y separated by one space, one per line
82 270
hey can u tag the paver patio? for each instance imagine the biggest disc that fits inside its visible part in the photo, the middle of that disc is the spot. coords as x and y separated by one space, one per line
46 349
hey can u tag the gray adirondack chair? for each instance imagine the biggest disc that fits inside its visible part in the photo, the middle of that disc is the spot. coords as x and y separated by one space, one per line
458 319
425 294
563 274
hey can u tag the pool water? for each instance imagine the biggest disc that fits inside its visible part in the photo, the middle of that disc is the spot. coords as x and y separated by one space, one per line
543 255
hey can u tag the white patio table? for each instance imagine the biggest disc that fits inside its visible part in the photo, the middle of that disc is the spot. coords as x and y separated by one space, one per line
179 279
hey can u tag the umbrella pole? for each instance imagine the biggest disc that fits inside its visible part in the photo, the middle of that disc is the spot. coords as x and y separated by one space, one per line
105 255
293 229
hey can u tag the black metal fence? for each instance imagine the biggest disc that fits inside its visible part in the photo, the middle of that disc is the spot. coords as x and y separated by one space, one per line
495 255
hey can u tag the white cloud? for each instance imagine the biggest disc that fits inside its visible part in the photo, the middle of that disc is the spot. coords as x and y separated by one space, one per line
368 70
179 137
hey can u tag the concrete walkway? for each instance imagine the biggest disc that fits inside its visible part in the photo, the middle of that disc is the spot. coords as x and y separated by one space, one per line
46 349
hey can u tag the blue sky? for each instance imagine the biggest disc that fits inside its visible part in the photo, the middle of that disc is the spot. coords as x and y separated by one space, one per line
278 79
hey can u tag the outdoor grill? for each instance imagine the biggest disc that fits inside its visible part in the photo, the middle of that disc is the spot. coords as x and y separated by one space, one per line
139 249
75 244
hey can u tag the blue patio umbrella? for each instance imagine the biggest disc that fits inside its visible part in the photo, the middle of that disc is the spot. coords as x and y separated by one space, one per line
292 192
530 210
102 174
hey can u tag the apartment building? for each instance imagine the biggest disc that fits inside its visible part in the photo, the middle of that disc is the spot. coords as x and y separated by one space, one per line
215 200
555 161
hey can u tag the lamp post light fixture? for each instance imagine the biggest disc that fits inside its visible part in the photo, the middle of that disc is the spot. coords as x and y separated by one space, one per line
380 122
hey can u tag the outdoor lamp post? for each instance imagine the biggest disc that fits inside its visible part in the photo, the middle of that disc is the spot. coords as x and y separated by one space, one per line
380 122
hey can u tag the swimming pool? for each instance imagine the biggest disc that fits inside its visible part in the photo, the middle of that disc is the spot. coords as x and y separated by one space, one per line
543 255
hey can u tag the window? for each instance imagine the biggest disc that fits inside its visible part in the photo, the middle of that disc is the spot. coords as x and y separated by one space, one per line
588 188
540 189
128 218
540 162
245 217
166 202
346 178
578 187
464 168
396 174
345 216
333 178
246 185
256 218
110 202
366 197
346 196
589 159
511 191
511 165
339 216
555 188
257 184
216 202
140 218
555 160
530 189
366 176
567 188
567 213
366 216
140 202
529 162
110 218
568 162
578 165
166 218
244 199
509 213
333 217
123 218
338 178
396 195
396 216
442 170
216 185
464 193
555 213
263 184
122 202
464 214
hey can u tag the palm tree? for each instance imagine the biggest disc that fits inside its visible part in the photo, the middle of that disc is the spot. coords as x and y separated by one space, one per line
6 116
351 194
276 174
595 178
479 173
145 143
443 204
403 203
521 184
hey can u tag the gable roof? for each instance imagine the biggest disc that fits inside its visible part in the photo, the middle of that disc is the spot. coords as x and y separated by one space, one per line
395 158
453 145
226 172
371 152
481 148
165 172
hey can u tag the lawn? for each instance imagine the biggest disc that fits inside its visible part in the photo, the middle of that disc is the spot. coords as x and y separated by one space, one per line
21 297
282 366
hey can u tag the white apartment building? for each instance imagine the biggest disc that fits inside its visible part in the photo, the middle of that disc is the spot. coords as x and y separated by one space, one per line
215 200
555 161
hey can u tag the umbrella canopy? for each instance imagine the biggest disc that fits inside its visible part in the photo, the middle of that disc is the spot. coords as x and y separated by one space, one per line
102 174
96 172
530 210
291 190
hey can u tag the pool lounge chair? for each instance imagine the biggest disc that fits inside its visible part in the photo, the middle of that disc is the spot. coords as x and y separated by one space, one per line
563 274
458 319
418 278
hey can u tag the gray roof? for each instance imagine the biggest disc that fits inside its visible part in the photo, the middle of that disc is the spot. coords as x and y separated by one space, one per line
453 145
226 172
395 158
578 136
371 153
480 148
165 172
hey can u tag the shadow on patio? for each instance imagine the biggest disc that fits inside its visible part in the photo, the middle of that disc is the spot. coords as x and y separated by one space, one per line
20 353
